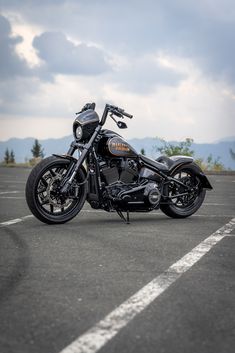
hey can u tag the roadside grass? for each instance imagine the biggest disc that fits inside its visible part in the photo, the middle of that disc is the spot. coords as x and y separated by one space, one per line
29 164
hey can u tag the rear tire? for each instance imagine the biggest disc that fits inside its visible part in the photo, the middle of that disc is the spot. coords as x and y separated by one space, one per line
41 195
177 210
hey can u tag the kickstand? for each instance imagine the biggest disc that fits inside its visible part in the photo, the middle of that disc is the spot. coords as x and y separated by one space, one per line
121 215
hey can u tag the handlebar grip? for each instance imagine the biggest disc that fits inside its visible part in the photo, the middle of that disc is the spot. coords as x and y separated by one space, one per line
128 115
117 111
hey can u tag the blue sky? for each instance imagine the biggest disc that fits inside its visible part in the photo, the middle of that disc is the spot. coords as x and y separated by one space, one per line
170 63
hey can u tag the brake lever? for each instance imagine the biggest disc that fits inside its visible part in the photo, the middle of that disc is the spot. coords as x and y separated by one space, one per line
117 113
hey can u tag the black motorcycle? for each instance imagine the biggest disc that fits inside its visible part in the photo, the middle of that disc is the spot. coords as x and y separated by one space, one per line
112 176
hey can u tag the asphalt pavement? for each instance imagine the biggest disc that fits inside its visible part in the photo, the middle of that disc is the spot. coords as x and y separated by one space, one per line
58 282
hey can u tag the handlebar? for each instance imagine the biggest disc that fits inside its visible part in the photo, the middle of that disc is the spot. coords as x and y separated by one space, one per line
119 111
108 109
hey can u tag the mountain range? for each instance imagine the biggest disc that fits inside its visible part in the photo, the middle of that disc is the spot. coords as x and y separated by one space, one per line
22 148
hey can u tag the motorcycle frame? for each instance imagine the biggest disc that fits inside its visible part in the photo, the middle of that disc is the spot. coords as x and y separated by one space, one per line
93 177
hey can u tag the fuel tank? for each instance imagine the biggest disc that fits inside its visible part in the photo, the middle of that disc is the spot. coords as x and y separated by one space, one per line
113 145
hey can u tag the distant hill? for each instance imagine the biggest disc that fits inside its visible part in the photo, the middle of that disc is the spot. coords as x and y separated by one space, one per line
22 148
226 139
202 150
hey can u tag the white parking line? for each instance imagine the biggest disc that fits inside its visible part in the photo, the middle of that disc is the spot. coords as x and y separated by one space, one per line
16 220
9 192
12 197
214 204
96 337
12 182
222 181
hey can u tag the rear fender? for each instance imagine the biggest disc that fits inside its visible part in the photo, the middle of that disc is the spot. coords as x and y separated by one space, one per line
198 172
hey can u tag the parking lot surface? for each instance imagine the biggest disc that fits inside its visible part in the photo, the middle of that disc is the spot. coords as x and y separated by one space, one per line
59 283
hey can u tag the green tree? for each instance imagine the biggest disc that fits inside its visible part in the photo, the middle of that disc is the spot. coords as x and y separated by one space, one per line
37 150
12 157
217 165
181 148
7 156
184 148
214 164
210 164
142 151
232 153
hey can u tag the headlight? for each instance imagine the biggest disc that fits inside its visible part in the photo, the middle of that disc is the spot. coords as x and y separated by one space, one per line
78 132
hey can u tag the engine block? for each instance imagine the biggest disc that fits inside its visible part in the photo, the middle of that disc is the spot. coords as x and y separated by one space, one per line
114 170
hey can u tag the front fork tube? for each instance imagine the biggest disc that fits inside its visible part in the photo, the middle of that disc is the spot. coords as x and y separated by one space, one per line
73 172
71 150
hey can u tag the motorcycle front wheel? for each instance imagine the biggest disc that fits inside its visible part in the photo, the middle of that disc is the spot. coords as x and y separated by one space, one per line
183 206
42 192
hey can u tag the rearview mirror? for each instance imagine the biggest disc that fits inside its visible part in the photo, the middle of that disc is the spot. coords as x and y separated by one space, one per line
121 125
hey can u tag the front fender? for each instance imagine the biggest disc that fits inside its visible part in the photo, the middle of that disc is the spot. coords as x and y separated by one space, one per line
198 172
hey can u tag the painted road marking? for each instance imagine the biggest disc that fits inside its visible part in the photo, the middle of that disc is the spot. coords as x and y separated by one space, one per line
16 220
213 215
12 197
214 204
222 181
96 337
9 192
12 182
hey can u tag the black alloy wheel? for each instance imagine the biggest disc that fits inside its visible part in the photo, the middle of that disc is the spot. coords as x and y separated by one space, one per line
43 192
181 206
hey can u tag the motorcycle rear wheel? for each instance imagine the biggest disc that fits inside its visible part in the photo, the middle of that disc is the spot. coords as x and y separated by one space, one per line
42 192
181 207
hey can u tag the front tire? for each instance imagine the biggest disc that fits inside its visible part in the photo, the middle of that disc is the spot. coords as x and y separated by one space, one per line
43 198
180 207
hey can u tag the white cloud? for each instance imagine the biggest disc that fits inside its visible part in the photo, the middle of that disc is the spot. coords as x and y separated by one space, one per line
27 32
197 108
61 55
163 72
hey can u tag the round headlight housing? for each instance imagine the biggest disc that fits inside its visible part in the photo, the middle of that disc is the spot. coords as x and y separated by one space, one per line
78 132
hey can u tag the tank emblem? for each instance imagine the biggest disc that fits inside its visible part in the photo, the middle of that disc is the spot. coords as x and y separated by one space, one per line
118 146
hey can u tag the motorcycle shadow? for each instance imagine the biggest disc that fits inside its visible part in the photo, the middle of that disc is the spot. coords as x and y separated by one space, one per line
135 218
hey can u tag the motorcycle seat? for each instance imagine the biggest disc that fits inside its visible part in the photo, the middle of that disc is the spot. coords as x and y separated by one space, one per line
173 161
151 162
